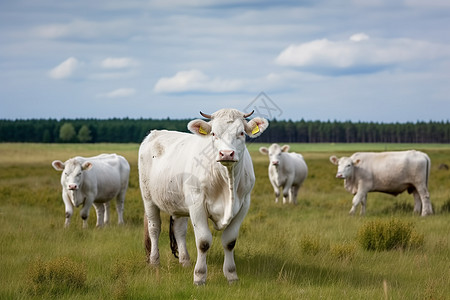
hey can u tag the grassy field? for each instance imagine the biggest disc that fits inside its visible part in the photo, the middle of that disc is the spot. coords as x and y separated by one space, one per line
308 251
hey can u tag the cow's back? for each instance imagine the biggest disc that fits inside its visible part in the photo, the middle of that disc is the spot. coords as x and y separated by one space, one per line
392 172
108 176
299 166
165 167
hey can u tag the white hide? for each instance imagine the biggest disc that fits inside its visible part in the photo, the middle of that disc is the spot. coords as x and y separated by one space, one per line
387 172
287 171
94 181
208 174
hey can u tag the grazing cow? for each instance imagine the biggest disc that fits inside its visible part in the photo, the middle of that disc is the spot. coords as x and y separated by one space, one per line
208 174
94 181
387 172
287 171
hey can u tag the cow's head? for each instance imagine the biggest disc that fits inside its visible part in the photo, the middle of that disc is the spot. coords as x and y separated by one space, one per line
72 174
345 166
227 129
274 153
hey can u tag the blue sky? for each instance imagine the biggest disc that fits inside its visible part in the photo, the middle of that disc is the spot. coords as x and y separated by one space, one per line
373 60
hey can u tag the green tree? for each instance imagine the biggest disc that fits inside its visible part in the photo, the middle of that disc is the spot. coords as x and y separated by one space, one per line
67 132
84 134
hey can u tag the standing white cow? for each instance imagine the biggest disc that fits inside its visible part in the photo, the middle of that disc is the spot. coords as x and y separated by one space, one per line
287 171
387 172
94 181
208 174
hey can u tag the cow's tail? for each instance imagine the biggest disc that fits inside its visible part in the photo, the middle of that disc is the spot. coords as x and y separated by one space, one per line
147 241
428 170
173 241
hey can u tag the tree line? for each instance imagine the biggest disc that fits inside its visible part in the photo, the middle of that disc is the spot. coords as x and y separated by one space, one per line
127 130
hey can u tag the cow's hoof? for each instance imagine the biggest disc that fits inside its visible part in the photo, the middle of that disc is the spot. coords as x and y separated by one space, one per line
200 282
233 281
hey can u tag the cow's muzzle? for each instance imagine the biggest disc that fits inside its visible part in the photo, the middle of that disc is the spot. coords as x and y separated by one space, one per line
73 187
227 157
340 176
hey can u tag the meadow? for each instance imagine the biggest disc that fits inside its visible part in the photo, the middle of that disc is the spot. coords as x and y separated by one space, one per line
308 251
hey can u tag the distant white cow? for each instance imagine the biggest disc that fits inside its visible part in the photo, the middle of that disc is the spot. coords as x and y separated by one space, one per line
287 171
208 174
387 172
94 180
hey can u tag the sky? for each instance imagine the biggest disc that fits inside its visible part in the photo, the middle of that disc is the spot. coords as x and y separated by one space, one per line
352 60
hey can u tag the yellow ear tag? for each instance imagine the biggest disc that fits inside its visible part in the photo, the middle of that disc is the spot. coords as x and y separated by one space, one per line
202 131
255 129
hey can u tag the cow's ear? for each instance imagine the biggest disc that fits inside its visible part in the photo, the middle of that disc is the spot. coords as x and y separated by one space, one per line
285 148
256 126
58 165
199 127
264 150
356 162
86 166
334 160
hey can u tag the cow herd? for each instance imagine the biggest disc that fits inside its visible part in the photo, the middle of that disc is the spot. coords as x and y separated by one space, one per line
209 175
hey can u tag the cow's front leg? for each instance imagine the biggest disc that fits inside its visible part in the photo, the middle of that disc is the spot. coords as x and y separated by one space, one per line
357 199
203 241
85 210
179 230
229 238
100 211
68 209
276 190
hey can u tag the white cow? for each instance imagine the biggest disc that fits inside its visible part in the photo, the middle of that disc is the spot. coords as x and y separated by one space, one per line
208 174
287 171
94 180
387 172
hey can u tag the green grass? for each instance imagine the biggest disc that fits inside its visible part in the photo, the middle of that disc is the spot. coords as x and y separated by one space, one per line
306 251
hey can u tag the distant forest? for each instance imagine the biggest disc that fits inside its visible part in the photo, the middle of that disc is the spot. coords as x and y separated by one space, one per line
134 130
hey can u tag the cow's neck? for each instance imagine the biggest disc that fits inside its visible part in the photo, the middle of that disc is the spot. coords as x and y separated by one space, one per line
233 175
350 184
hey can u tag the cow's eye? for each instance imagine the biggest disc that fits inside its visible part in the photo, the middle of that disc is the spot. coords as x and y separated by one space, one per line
213 134
242 133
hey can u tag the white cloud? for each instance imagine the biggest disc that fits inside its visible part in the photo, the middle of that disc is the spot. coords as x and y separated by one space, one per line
85 30
65 69
118 63
120 93
359 54
195 81
359 37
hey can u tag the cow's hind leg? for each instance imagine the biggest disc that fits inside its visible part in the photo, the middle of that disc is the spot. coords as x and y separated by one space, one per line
294 193
107 211
417 203
120 200
153 230
100 210
178 228
427 209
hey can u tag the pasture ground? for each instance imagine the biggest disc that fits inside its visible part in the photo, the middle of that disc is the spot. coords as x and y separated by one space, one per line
308 251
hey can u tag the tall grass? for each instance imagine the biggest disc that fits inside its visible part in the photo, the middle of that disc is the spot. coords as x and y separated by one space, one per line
306 251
